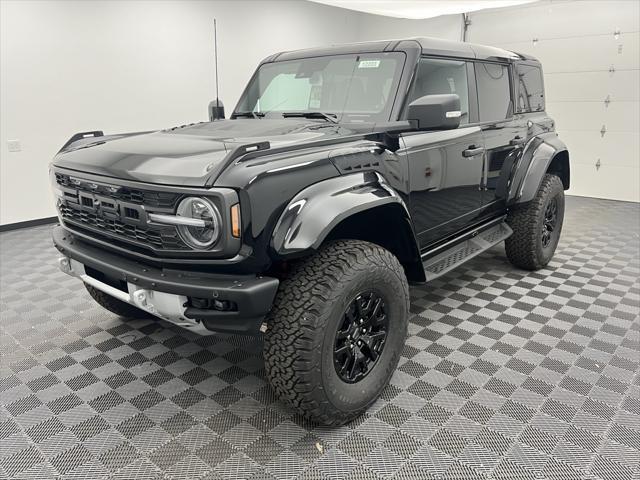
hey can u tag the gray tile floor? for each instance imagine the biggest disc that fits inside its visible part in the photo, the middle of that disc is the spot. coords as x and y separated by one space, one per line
506 374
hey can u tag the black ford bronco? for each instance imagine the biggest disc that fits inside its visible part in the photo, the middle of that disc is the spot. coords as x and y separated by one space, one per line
343 174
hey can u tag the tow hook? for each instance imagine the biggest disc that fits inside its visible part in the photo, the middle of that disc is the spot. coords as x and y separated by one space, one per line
65 265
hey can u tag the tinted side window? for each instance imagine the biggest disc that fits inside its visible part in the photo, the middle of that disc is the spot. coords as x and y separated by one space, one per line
437 77
494 93
530 89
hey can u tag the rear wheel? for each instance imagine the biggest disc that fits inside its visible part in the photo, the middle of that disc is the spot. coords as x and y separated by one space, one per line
537 226
120 308
335 334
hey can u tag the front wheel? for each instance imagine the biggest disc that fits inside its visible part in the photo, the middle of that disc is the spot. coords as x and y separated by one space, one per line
337 329
536 226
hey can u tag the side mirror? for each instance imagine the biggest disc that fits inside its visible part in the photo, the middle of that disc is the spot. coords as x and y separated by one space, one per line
435 112
216 110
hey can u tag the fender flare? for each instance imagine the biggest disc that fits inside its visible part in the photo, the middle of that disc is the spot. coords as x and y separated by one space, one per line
315 211
536 158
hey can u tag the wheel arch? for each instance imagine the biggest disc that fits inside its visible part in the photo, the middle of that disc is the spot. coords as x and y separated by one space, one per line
559 166
359 206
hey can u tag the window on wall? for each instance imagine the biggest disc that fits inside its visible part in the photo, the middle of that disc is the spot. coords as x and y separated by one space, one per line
435 77
530 89
494 92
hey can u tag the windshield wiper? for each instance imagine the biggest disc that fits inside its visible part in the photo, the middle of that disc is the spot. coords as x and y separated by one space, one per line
248 114
330 117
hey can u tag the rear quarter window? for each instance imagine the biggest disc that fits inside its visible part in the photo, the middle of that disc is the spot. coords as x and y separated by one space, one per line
530 89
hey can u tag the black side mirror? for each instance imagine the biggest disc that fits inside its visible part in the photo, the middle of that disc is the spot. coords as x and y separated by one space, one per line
216 110
435 112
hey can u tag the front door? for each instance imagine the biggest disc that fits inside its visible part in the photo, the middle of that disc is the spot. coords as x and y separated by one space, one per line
445 174
445 167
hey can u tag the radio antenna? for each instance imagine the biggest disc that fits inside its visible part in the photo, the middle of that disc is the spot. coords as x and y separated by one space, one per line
215 54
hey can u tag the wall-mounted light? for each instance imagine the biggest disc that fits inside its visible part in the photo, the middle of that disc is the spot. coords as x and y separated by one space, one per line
535 42
616 34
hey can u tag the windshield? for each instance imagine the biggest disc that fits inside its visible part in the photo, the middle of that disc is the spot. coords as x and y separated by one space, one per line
353 88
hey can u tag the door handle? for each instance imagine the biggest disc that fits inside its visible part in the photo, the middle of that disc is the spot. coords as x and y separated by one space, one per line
472 151
516 141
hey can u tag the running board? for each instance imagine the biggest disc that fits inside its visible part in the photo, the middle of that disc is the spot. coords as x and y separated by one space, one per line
446 261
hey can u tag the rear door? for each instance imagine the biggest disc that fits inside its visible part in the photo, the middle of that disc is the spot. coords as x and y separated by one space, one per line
504 134
445 167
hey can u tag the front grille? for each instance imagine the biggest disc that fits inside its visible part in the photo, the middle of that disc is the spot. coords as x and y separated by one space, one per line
133 195
166 239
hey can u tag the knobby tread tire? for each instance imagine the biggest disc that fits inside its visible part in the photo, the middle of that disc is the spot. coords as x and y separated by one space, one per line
120 308
296 325
523 248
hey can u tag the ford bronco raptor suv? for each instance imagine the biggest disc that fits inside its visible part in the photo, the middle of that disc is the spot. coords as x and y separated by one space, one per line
343 174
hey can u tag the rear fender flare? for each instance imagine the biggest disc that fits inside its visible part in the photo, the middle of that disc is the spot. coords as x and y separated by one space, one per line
538 154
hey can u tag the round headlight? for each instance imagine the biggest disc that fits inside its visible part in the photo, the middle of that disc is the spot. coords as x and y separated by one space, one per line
206 234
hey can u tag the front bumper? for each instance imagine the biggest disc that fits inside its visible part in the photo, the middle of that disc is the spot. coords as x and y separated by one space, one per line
165 293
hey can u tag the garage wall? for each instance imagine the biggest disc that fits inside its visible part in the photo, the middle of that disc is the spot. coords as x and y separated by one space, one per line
69 66
376 27
577 48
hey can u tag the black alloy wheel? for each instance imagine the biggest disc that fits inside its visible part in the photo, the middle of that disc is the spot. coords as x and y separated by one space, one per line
550 222
361 337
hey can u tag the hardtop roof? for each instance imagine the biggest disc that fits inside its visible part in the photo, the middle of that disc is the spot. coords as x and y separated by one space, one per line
427 45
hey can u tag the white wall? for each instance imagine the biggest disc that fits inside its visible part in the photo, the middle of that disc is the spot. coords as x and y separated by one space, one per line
70 66
376 27
576 46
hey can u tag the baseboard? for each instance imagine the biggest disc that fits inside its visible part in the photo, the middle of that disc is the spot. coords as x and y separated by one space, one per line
28 223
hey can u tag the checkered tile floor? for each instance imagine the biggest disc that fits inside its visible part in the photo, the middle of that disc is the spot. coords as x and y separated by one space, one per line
506 374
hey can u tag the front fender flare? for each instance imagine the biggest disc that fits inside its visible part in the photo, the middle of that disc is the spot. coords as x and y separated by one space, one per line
313 213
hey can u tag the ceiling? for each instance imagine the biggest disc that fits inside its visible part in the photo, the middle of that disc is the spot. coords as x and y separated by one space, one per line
419 9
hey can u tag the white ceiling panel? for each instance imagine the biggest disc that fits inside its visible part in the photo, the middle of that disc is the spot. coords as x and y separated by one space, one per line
420 9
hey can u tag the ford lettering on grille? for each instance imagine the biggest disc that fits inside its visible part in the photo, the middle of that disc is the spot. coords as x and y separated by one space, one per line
100 211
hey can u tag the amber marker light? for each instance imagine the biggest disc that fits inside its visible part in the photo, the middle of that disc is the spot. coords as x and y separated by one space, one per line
235 220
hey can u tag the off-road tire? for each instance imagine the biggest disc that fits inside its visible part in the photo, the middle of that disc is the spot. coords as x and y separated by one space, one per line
120 308
525 247
309 308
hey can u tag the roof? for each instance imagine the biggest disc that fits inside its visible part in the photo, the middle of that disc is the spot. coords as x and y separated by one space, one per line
428 46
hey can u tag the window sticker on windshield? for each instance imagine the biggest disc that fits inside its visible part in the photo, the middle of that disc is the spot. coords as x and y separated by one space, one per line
369 64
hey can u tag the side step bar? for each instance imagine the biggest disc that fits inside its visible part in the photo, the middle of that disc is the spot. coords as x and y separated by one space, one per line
449 259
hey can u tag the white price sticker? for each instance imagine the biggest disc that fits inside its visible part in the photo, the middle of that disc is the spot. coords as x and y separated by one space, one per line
369 64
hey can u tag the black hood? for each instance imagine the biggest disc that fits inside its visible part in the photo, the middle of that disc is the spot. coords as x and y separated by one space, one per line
189 155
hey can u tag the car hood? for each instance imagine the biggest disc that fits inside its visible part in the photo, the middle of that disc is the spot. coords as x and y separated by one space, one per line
189 155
